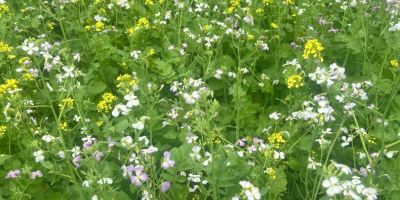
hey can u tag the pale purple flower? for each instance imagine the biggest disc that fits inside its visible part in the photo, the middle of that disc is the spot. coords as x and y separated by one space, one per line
150 150
76 161
165 186
110 143
97 155
137 180
167 162
35 174
13 174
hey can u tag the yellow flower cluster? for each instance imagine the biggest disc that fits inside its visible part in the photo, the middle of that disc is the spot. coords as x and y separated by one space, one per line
394 63
51 25
295 81
267 2
250 37
143 23
4 9
235 4
148 2
2 130
68 101
126 82
273 25
275 139
64 126
4 47
99 26
270 172
28 77
9 85
313 47
23 59
105 104
259 10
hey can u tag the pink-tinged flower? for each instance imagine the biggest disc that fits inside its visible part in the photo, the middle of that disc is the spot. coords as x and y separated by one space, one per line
165 186
97 155
332 186
150 150
137 180
87 144
191 98
35 174
76 161
12 174
241 142
167 162
110 143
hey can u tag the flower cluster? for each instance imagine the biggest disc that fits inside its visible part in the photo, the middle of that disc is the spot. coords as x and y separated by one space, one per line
313 48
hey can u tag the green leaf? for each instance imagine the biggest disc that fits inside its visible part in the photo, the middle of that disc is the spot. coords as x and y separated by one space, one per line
4 157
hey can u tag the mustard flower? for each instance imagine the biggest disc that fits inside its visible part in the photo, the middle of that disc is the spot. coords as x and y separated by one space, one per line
313 48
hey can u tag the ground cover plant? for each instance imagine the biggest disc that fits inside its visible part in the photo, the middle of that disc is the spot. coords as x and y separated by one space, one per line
191 99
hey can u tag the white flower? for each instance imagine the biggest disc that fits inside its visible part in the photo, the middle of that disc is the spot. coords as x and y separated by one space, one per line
120 107
196 153
75 151
86 183
253 193
132 100
331 185
312 164
396 27
275 115
135 54
61 154
38 155
126 140
370 193
69 72
48 138
346 140
194 178
279 155
138 125
30 48
105 180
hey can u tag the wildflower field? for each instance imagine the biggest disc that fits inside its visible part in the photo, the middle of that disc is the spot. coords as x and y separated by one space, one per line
199 99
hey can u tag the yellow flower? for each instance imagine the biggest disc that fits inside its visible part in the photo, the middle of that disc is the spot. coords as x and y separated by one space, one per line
28 77
143 23
105 104
313 47
99 123
273 25
250 37
2 130
4 47
99 26
22 60
63 126
51 25
148 2
270 172
295 81
11 56
68 101
267 2
96 2
394 63
161 1
260 10
275 139
206 27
